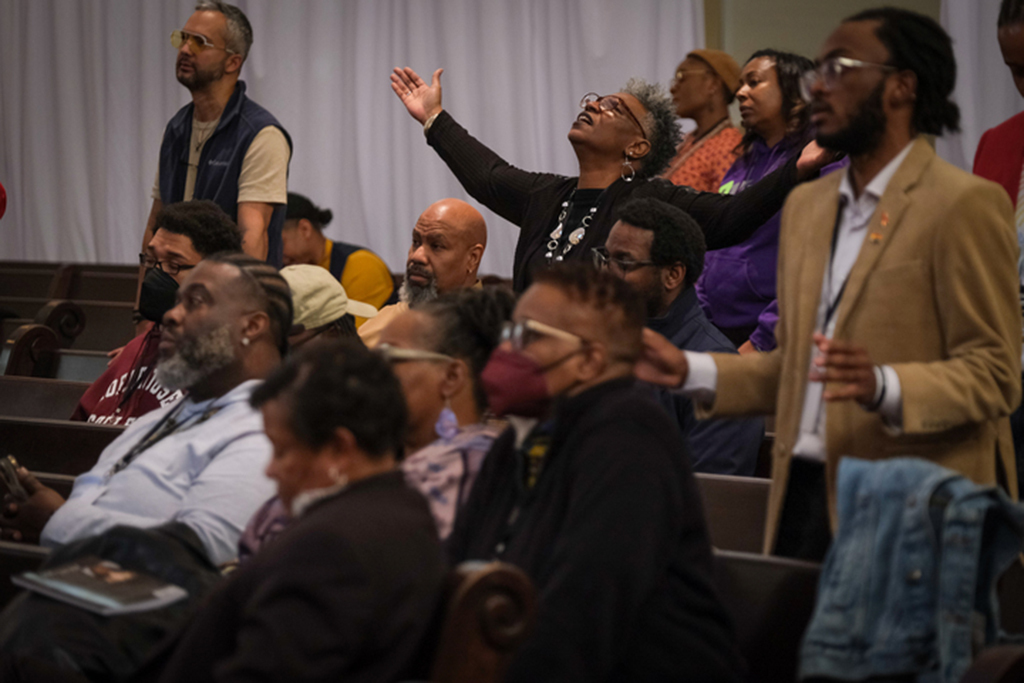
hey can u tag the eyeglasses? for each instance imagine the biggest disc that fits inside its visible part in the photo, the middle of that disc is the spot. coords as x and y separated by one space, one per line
602 259
196 43
169 267
831 70
524 332
394 354
611 103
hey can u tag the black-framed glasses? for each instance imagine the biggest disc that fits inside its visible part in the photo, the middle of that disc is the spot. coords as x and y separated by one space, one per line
524 332
196 42
602 259
611 103
831 70
169 267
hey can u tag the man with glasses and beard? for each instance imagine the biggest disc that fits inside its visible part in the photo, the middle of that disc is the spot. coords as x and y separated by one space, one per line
200 460
899 327
659 250
448 242
223 146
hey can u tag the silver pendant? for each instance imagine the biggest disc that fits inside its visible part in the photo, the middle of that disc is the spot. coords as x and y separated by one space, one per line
576 236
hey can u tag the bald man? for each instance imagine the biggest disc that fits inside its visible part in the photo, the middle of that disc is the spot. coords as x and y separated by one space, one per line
448 242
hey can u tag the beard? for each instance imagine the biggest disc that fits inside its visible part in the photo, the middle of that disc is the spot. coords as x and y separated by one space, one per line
200 78
864 131
196 358
412 294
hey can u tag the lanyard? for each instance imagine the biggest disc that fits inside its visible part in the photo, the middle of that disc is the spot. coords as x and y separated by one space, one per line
165 427
833 304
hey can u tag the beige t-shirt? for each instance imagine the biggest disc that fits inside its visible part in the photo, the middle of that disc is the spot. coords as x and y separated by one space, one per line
264 175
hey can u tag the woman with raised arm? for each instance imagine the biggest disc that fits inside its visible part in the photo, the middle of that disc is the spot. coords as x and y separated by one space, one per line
621 141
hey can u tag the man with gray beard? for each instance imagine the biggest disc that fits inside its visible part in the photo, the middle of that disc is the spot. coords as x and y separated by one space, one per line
200 460
448 242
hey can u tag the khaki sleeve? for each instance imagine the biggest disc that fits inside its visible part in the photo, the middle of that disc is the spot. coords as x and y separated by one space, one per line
264 176
976 285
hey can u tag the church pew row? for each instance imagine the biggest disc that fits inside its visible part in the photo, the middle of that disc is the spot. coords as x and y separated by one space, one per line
84 281
92 325
57 446
735 509
39 397
34 351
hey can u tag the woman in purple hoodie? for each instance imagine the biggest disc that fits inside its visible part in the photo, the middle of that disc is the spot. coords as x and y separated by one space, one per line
737 288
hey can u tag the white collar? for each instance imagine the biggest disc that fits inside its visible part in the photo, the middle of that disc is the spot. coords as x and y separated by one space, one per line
876 188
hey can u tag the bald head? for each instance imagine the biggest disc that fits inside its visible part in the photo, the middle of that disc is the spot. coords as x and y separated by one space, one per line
448 242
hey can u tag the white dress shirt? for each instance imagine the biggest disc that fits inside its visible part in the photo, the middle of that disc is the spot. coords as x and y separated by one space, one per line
855 215
207 474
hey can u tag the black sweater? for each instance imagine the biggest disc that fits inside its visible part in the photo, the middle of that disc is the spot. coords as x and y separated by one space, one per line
613 537
533 200
347 593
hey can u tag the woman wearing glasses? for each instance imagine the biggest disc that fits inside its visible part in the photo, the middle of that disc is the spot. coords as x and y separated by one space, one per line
737 287
438 351
620 141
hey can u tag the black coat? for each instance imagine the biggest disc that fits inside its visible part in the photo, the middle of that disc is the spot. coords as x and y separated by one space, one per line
349 592
533 200
613 536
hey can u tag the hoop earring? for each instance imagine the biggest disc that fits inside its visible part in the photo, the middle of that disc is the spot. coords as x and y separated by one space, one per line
627 163
447 425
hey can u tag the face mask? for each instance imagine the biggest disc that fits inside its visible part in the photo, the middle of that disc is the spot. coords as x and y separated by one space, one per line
515 385
157 295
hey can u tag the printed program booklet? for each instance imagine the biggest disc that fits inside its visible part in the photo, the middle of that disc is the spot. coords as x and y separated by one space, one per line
101 586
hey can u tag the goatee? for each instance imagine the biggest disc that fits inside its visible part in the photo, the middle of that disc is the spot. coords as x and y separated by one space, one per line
197 358
864 131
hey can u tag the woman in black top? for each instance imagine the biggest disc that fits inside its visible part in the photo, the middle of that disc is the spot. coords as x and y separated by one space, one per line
621 142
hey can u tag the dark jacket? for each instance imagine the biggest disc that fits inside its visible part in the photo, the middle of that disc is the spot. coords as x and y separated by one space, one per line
347 593
717 446
533 200
220 163
613 537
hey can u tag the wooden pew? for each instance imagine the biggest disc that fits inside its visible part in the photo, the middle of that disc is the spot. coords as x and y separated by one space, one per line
489 611
771 600
26 282
103 325
735 509
96 282
38 397
57 446
16 558
34 351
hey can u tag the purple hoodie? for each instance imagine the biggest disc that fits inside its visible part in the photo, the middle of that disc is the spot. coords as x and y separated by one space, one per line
737 287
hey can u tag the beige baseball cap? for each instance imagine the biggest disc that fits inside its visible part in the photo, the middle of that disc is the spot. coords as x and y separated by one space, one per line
318 298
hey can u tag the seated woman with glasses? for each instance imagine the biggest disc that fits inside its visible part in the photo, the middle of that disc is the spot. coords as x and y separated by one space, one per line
350 590
438 351
737 288
619 140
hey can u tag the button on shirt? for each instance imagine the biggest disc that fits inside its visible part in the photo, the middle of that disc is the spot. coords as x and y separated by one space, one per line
854 217
207 474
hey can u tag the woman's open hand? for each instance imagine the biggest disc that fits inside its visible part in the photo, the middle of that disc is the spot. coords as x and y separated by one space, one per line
421 100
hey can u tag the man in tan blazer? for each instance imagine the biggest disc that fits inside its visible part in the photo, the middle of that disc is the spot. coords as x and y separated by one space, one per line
899 329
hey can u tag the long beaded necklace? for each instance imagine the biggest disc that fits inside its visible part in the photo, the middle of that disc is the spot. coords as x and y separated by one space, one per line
557 247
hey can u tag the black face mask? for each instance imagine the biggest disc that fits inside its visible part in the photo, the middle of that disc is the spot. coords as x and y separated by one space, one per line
157 295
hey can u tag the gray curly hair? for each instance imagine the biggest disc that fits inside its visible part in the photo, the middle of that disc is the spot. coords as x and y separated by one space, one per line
662 127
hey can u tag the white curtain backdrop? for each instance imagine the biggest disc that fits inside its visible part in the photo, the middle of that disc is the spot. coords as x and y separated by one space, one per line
984 88
87 86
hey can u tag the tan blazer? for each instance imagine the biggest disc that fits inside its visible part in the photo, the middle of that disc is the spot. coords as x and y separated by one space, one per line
933 293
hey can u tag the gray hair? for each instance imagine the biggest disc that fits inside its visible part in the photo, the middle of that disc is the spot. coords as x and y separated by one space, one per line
663 129
239 31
